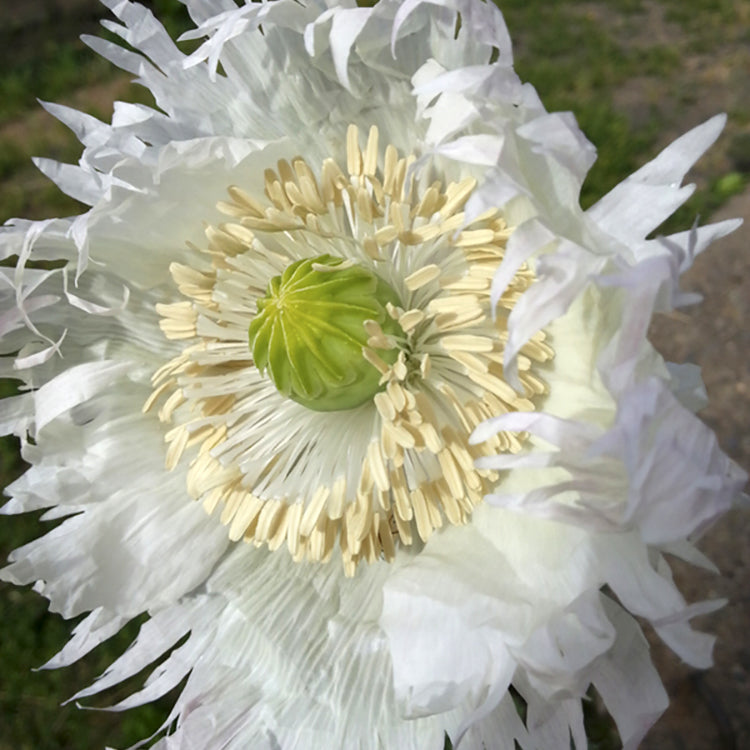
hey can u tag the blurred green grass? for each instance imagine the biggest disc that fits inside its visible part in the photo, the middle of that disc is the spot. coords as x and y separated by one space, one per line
579 56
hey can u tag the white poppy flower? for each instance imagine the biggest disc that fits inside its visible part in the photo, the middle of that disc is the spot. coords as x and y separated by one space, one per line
338 289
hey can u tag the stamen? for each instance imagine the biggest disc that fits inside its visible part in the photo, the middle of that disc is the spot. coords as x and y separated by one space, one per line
423 276
398 466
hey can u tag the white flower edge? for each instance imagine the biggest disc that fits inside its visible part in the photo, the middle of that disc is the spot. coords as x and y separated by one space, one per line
536 168
655 475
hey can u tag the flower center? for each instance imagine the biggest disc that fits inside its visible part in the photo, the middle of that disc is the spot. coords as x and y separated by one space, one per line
311 327
361 284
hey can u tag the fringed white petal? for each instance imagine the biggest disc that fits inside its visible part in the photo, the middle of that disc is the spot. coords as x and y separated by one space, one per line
627 681
94 629
632 473
563 723
481 23
642 202
615 473
502 728
134 534
557 137
446 633
74 387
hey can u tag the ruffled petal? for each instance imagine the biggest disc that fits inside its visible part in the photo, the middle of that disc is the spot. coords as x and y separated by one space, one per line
593 470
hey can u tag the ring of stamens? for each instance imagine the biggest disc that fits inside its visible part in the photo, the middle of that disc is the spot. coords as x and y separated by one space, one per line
388 472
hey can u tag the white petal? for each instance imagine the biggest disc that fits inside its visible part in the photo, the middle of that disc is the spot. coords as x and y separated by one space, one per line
446 637
73 387
642 202
346 27
627 681
96 628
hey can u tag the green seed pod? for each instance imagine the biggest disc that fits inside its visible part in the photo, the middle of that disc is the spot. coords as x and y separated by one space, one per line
308 332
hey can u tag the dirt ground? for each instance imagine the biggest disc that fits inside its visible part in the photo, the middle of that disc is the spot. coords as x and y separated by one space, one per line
711 710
